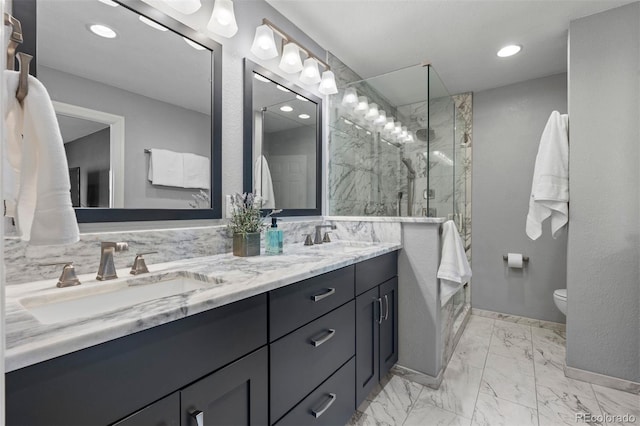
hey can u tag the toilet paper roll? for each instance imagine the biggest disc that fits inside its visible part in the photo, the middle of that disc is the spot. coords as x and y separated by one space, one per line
514 260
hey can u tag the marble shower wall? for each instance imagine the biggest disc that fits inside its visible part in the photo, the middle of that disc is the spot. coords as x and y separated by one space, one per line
364 172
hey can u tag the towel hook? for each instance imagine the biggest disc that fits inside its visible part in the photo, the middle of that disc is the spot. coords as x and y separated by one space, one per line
15 39
23 79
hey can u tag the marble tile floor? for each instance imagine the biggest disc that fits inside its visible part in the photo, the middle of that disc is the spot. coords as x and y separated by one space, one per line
501 373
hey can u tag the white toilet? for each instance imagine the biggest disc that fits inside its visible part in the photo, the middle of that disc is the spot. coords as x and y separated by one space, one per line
560 299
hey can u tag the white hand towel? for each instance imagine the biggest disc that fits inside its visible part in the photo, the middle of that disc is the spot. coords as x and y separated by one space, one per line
262 183
196 171
454 268
550 187
44 214
166 168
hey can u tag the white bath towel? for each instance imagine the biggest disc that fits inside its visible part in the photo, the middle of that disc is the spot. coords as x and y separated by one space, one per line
196 171
454 268
262 183
550 187
43 211
166 168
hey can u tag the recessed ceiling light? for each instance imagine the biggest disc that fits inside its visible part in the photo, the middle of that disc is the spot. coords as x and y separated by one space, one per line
284 89
102 31
193 44
109 3
152 24
302 98
286 108
261 78
304 116
510 50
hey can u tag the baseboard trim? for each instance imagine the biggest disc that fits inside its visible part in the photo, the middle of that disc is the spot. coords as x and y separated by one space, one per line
518 319
602 380
418 377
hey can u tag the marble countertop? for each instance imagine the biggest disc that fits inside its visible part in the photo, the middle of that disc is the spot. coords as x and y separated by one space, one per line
226 279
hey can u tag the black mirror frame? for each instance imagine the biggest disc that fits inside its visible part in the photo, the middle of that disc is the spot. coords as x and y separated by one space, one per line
25 11
247 145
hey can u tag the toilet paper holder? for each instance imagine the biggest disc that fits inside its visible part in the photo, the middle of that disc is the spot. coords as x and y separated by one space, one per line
524 258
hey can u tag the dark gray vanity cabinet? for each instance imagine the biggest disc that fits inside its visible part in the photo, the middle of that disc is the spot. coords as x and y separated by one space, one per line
376 322
234 395
165 412
109 382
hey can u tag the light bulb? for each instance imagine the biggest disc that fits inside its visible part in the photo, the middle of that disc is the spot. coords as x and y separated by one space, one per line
264 45
350 98
291 62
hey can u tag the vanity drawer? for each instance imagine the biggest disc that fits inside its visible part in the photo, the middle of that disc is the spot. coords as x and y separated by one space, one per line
375 271
332 403
305 358
297 304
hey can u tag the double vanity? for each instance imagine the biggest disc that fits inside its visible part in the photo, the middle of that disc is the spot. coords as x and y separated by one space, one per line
300 338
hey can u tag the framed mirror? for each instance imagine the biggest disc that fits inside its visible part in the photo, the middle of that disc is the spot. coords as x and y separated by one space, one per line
282 143
138 100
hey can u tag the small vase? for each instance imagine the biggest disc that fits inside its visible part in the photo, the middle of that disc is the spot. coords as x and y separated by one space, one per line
246 244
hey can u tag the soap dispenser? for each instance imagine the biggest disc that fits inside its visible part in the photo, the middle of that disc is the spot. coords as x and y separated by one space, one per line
274 238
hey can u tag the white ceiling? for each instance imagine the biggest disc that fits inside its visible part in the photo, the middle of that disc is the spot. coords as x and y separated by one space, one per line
72 128
142 60
460 38
267 95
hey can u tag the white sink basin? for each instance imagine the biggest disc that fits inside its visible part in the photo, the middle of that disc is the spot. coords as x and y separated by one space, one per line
97 298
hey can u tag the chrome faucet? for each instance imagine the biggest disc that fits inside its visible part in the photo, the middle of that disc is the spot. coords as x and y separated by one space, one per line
107 269
318 238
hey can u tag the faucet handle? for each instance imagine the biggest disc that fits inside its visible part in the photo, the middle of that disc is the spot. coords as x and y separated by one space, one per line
308 241
139 265
68 277
326 238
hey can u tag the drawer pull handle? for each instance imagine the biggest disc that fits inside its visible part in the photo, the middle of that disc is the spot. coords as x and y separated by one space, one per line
386 304
329 403
324 339
319 297
380 317
198 416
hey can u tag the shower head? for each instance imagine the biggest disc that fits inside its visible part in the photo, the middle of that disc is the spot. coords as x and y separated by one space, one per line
425 135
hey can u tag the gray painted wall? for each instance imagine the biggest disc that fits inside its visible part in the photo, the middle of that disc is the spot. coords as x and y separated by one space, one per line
507 125
149 123
603 330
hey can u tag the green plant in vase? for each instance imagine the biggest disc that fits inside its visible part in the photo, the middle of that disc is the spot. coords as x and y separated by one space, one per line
246 224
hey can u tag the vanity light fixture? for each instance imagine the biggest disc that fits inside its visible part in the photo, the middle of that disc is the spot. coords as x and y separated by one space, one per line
102 31
397 129
261 78
310 73
304 116
350 98
390 124
363 105
223 19
373 112
264 47
328 84
282 88
152 24
286 108
290 61
109 3
382 119
193 44
509 50
186 7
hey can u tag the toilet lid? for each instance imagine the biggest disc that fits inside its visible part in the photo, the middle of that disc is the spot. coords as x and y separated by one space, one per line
561 293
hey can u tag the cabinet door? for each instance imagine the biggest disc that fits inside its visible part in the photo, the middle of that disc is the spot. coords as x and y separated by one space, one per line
389 326
368 314
234 395
165 412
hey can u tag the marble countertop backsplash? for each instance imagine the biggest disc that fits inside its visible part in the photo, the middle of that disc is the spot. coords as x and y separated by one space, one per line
226 279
